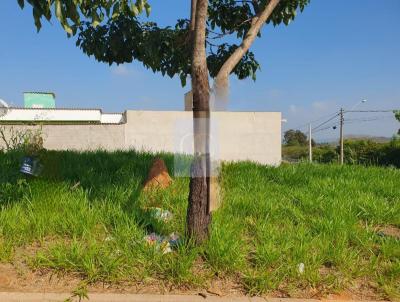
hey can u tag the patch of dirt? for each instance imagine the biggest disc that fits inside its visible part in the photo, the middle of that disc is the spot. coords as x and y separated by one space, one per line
342 296
390 231
361 289
158 176
8 276
18 276
225 287
24 280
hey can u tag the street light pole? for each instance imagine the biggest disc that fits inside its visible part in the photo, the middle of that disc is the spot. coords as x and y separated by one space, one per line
341 136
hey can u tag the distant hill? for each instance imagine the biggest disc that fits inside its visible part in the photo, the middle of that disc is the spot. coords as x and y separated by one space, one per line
377 139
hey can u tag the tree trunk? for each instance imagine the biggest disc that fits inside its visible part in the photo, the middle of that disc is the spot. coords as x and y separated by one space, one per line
198 214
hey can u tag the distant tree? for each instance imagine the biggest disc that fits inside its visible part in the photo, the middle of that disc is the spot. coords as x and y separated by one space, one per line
296 138
397 116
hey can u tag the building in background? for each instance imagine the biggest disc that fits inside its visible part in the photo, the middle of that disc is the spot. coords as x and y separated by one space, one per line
254 136
39 100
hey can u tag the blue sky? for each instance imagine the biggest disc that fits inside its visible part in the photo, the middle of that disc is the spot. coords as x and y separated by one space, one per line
334 54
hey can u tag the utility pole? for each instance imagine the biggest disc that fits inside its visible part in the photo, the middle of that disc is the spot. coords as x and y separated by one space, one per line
309 142
341 136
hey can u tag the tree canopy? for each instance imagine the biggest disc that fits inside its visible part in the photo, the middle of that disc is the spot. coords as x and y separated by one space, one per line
120 31
397 116
296 138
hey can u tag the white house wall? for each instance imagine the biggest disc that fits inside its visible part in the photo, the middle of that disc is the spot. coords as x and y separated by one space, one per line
254 136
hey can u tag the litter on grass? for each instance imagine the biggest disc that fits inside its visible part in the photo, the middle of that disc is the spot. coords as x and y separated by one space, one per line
31 166
174 239
301 268
109 238
161 214
162 243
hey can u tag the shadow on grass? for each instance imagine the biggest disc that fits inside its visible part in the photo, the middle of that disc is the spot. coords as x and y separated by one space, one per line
114 176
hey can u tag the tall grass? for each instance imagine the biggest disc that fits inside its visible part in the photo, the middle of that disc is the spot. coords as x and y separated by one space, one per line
87 214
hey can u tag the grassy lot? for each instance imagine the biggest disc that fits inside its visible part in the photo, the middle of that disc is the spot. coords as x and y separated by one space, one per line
86 215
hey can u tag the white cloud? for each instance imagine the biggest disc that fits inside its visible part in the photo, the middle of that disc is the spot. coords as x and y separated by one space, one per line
120 70
321 106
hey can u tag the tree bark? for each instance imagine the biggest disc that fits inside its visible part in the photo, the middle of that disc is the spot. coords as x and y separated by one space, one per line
221 82
198 214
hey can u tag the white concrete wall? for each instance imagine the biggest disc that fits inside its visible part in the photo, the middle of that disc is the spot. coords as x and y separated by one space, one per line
252 136
77 137
236 136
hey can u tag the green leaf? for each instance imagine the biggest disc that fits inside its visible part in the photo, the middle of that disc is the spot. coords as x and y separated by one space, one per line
59 11
21 3
148 9
36 17
134 9
115 13
397 114
68 29
183 76
95 19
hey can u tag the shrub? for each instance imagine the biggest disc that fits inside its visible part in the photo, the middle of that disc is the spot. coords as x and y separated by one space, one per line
28 141
294 153
325 154
363 152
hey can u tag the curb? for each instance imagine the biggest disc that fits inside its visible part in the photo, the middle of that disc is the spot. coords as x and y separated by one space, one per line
95 297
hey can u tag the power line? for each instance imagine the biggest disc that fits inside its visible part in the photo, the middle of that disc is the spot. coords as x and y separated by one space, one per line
337 114
352 121
312 122
325 128
391 110
342 122
347 121
327 121
368 119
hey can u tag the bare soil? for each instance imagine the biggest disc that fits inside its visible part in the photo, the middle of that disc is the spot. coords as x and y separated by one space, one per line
18 277
390 231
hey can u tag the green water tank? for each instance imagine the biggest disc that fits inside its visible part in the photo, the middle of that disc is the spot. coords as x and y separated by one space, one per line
39 100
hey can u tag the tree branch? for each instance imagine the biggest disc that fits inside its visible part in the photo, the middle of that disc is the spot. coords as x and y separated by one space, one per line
256 25
193 15
3 137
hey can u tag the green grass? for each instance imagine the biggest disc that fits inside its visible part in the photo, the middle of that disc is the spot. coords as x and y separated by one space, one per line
86 215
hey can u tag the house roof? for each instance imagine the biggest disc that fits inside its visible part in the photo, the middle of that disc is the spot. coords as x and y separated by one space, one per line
39 92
